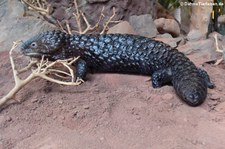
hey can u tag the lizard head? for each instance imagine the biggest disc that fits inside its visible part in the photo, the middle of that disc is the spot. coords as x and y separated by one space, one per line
48 44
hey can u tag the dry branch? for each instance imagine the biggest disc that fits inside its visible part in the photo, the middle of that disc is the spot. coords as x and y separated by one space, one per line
43 7
42 69
39 5
79 16
78 19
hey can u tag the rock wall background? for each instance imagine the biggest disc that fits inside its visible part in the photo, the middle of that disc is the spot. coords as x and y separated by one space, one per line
63 10
18 23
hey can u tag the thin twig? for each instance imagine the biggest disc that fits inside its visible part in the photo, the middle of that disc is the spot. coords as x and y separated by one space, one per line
31 64
59 72
218 50
77 17
68 28
218 61
109 21
61 27
217 45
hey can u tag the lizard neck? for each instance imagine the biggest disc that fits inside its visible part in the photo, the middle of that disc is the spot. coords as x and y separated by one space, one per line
70 47
76 44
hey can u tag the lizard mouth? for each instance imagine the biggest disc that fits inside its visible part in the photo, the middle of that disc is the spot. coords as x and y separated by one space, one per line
36 55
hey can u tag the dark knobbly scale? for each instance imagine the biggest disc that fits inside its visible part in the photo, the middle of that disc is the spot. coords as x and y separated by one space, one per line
129 54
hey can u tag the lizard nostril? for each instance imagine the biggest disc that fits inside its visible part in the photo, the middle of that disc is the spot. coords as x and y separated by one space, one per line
191 96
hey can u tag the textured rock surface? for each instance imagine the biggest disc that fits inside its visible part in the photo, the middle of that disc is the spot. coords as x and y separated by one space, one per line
123 27
204 50
167 26
195 35
14 27
15 8
168 39
63 9
143 25
3 5
20 29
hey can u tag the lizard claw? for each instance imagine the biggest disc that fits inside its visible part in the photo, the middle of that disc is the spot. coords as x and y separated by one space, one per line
79 81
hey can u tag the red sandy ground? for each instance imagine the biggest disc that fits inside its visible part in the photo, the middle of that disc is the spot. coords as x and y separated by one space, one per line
110 111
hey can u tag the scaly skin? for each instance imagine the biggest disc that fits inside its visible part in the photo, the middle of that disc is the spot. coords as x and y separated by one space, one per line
129 54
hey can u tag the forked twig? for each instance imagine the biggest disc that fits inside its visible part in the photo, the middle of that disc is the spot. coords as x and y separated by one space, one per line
109 21
61 27
79 15
40 7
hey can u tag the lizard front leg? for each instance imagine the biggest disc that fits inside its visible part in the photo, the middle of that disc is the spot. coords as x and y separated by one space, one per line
81 70
161 77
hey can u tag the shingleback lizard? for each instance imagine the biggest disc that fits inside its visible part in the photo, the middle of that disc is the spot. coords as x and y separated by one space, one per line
123 53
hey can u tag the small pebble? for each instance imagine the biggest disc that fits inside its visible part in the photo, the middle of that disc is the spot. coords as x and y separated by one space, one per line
43 96
49 114
86 107
75 113
138 118
73 106
34 100
171 105
214 97
194 142
8 119
60 102
167 96
33 108
221 107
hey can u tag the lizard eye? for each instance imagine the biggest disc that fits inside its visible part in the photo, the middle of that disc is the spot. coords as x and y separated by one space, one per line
33 45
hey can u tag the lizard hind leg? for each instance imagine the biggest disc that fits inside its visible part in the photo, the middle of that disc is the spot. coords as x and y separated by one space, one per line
161 77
